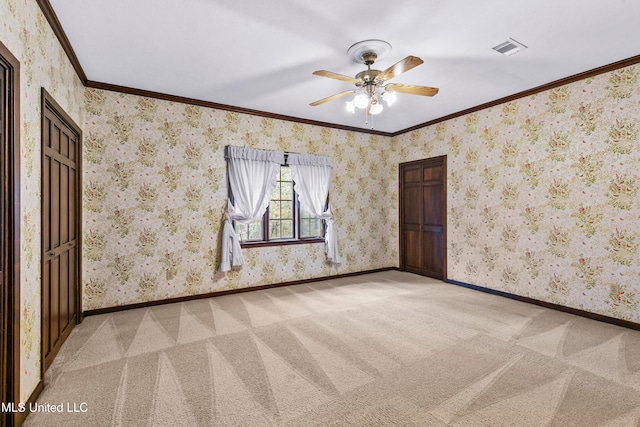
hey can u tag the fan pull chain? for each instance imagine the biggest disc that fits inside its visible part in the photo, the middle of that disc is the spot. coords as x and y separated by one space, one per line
368 118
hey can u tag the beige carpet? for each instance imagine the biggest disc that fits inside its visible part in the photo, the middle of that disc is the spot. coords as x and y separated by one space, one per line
386 349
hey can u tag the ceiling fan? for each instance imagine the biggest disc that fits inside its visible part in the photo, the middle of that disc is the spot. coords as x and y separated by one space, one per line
373 83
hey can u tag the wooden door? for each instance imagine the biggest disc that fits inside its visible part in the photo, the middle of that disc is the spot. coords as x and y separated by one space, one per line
60 227
3 224
9 234
4 373
423 217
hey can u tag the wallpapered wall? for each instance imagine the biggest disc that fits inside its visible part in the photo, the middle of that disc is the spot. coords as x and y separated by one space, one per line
543 194
26 33
155 192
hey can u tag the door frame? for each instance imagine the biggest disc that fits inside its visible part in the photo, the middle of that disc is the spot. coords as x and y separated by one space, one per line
10 363
48 103
441 160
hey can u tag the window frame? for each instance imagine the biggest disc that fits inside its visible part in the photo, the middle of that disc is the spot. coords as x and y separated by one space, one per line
295 208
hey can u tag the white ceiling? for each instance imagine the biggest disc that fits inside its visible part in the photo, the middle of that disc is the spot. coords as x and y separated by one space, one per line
260 55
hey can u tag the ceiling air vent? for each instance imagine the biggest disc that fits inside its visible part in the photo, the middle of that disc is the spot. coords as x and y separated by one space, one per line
509 47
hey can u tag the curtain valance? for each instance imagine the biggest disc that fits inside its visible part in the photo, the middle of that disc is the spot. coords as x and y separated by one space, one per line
308 160
248 153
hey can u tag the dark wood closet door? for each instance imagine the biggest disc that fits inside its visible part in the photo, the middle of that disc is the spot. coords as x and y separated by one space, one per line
60 200
423 217
3 235
9 233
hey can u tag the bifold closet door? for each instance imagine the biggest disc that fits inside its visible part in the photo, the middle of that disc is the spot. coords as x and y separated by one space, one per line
60 272
423 217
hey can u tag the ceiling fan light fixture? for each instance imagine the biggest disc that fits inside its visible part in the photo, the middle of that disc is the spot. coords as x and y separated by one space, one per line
389 98
361 100
371 88
376 108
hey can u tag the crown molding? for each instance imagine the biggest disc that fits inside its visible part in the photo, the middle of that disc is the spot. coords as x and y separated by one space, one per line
52 18
548 86
225 107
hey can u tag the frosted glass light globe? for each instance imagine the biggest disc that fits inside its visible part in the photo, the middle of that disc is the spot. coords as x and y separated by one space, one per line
361 100
389 98
376 108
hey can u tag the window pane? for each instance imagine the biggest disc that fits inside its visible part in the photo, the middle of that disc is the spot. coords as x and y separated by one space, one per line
311 227
287 190
285 173
305 214
255 231
315 230
274 210
246 232
274 229
287 230
242 231
285 210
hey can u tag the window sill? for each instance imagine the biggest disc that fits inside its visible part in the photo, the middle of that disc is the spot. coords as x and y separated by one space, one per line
280 243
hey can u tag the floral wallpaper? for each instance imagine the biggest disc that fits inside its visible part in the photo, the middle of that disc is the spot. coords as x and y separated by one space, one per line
155 191
26 33
543 194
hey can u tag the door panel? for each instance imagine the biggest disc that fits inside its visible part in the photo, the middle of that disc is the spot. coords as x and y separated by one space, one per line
60 222
432 174
411 176
411 205
412 251
423 217
434 253
433 208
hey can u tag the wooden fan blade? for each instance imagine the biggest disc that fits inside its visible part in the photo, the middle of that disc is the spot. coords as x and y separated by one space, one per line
336 76
332 97
411 89
405 65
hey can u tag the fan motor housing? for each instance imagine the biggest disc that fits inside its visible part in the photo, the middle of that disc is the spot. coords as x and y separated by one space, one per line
368 76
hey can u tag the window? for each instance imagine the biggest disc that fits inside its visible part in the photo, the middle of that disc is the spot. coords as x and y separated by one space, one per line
284 222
